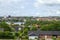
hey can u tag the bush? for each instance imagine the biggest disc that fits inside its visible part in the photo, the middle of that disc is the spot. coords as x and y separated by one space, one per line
6 35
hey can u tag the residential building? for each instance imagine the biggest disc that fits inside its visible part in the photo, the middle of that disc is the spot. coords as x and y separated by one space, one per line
44 35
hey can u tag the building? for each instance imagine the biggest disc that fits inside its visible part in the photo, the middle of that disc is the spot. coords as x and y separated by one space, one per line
44 35
33 35
17 28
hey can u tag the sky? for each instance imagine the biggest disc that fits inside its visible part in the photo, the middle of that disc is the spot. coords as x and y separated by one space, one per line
30 7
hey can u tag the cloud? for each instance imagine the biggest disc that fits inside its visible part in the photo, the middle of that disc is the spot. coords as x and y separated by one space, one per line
58 12
22 7
37 14
11 7
53 12
9 1
48 1
28 7
38 3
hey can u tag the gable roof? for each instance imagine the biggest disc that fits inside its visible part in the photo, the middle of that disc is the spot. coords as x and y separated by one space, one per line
39 32
48 32
32 33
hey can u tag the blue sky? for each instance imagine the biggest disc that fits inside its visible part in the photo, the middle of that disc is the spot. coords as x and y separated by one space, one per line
30 7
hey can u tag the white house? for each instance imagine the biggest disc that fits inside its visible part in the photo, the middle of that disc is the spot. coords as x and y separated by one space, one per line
33 36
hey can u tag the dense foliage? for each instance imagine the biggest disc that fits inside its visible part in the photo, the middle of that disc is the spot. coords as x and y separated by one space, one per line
29 25
45 25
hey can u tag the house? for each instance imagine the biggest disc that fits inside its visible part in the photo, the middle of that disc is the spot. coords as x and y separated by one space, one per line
18 28
33 36
44 35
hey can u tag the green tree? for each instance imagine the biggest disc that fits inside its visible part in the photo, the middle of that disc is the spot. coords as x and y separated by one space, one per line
5 26
51 27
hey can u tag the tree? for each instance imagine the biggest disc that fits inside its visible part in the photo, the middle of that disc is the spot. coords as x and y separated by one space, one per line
5 26
51 27
33 28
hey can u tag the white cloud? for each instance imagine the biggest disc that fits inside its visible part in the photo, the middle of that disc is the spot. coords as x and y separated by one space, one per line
22 7
38 3
48 1
9 1
37 14
57 12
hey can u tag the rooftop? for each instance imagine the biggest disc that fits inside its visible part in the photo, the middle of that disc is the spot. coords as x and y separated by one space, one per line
38 32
